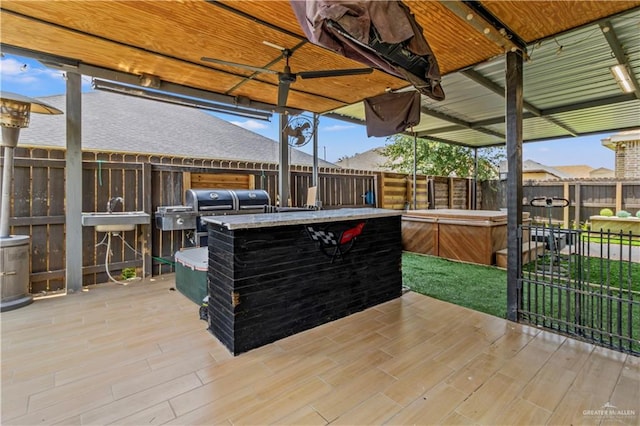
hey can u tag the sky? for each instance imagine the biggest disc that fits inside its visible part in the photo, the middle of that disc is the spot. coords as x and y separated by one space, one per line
336 139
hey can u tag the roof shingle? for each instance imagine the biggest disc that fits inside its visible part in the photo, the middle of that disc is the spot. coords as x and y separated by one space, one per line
119 123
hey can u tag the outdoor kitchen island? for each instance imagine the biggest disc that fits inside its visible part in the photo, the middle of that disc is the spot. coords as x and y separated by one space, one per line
276 274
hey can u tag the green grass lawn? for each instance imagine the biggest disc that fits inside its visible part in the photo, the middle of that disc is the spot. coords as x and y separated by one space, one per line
482 288
614 275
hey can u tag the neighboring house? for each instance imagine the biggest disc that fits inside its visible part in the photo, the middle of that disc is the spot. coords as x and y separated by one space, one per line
119 123
626 145
586 172
368 160
602 172
532 170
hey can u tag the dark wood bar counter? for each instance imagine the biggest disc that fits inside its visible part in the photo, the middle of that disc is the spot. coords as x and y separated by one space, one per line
276 274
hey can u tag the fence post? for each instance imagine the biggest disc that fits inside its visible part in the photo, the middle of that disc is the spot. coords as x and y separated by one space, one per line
565 210
578 201
186 184
431 193
618 196
450 181
147 235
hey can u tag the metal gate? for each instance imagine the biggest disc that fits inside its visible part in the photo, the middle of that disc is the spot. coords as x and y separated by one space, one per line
583 283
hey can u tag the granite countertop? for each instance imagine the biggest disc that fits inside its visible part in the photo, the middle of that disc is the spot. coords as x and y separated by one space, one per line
264 220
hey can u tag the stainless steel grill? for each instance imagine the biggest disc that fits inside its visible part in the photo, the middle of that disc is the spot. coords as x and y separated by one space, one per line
209 202
175 218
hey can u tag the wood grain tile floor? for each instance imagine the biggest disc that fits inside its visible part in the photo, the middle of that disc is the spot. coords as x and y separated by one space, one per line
139 354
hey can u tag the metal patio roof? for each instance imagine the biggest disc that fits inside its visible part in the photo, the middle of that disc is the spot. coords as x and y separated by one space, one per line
568 87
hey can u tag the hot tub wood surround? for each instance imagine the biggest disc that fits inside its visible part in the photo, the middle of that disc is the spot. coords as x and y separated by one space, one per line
466 235
268 279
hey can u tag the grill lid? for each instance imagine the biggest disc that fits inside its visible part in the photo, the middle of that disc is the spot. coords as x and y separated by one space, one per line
252 199
210 199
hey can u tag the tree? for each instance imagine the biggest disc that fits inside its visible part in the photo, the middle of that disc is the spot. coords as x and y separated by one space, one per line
440 159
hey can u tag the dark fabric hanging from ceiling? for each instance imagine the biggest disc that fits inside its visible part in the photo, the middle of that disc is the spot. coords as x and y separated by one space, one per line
391 113
382 34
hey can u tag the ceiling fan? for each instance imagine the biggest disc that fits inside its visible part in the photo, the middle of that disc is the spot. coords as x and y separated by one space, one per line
286 77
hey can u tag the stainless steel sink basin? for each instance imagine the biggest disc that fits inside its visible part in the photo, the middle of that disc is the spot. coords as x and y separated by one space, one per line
116 221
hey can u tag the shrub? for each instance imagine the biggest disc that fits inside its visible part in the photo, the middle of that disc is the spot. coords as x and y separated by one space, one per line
606 212
128 273
638 214
623 213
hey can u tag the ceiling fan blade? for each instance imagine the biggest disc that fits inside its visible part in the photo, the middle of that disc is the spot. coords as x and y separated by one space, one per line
334 73
275 46
234 64
283 93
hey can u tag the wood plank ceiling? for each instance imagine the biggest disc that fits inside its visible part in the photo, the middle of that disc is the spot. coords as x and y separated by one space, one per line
167 39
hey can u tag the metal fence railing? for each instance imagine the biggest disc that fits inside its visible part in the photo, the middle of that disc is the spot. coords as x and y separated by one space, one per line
586 284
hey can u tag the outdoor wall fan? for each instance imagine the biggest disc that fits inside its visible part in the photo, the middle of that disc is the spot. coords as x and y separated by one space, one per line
286 77
298 131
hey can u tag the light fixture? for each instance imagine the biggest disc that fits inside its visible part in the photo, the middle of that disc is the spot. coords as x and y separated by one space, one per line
14 280
109 86
621 75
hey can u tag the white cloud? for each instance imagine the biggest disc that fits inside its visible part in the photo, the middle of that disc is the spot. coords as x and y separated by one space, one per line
17 73
544 149
338 127
250 125
10 71
10 66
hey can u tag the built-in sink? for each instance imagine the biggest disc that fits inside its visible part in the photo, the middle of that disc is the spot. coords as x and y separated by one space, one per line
116 221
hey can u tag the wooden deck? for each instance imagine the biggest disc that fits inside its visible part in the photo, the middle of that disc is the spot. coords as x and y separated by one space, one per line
140 355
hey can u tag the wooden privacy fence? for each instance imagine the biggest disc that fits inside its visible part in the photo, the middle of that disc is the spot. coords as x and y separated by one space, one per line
146 182
431 192
586 197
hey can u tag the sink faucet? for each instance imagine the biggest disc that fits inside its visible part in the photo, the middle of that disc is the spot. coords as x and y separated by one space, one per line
112 203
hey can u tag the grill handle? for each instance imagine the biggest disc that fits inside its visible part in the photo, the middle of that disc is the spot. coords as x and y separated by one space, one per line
208 208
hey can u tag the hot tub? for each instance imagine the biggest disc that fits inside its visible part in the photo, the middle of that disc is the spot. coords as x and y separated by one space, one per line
466 235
